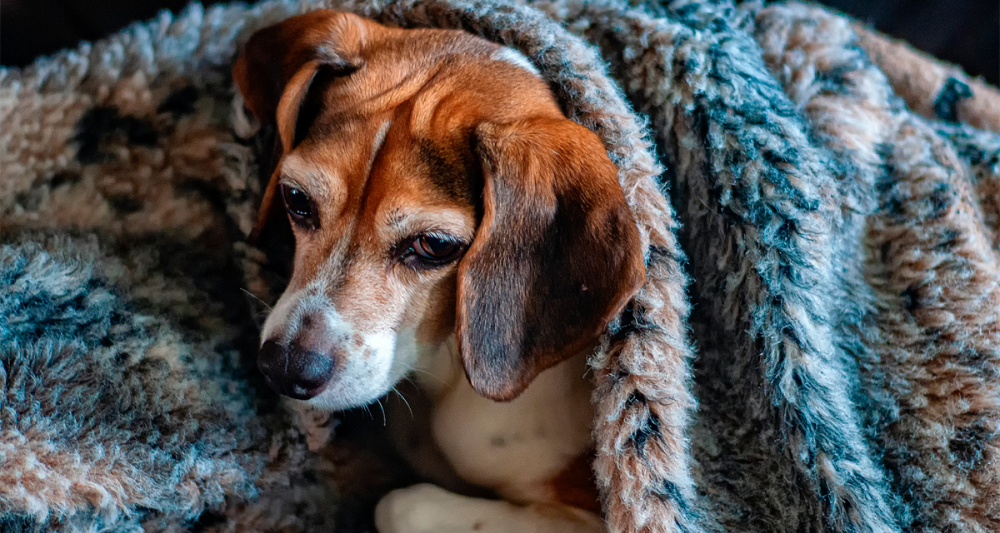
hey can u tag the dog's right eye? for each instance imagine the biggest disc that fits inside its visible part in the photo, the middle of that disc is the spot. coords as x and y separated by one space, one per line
299 206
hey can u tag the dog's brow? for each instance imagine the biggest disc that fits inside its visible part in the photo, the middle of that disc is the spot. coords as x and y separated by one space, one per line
449 220
297 173
396 218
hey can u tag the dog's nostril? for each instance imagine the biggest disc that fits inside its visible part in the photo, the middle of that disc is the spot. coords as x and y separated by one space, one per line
271 359
301 374
309 371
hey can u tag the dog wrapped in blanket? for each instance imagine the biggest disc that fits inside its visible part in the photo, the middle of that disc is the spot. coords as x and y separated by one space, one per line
830 365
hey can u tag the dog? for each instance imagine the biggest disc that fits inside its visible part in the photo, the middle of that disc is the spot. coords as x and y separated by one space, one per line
450 224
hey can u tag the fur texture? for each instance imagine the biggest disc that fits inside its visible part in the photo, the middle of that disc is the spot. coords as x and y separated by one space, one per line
824 189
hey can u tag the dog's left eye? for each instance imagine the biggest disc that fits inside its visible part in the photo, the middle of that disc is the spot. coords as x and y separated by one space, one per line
431 247
299 205
431 251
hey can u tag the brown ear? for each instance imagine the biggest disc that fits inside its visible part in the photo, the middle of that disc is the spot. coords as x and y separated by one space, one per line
556 256
277 66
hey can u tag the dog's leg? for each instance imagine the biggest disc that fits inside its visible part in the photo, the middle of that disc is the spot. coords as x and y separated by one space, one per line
430 509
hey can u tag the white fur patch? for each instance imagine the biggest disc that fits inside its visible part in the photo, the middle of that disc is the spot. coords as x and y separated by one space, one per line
245 126
515 57
365 374
383 130
278 316
405 354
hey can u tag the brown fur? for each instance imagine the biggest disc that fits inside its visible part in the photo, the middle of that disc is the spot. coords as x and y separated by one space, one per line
575 484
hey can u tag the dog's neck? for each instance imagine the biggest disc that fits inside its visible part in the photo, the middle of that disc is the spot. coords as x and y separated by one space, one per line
439 371
515 448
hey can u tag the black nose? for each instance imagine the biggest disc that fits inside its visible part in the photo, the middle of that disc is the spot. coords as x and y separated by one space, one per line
294 372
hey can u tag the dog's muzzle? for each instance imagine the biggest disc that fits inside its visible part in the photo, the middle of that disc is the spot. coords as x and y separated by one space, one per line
302 368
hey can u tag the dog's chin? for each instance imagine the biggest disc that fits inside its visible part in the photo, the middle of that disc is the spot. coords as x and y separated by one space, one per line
335 400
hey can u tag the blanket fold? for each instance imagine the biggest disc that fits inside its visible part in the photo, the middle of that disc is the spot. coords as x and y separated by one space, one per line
816 347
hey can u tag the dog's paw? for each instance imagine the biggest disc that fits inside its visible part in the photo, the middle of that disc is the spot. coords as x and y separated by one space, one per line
430 509
415 509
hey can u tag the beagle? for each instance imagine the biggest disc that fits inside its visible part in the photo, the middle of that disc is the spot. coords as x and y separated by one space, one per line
451 225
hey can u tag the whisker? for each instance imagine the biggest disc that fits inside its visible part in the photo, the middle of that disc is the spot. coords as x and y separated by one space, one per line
443 382
401 397
384 421
255 297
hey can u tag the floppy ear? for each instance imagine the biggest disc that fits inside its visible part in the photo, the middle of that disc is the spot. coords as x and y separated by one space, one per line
277 66
556 256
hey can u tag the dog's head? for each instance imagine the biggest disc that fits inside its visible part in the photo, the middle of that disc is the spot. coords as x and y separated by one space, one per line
434 189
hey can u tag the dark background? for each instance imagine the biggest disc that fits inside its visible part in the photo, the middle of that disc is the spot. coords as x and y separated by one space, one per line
966 32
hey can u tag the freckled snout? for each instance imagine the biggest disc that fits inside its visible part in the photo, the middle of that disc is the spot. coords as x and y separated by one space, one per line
302 368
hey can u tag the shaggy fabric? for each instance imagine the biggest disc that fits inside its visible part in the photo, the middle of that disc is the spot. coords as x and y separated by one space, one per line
816 347
129 414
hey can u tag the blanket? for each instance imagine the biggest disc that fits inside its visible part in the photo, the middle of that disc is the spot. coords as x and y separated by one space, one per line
816 347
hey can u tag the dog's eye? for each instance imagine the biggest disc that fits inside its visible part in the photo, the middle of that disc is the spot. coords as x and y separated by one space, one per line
431 247
299 205
432 251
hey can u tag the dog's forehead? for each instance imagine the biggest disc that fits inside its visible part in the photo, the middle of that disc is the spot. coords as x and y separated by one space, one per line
379 155
483 78
327 166
391 127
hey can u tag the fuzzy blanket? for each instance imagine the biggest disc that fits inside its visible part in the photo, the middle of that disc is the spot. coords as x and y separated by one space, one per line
816 348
